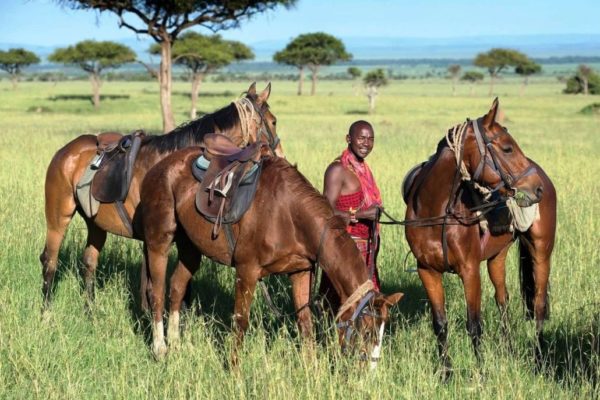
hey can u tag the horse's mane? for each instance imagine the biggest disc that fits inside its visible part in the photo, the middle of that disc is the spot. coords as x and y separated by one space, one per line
192 132
310 198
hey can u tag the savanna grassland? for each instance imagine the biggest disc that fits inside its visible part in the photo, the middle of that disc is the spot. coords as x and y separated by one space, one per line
104 353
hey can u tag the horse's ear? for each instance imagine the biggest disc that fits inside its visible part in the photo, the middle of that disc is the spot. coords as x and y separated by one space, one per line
490 117
390 300
264 96
252 89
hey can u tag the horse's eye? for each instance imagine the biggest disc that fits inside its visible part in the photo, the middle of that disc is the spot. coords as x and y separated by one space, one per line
507 149
274 122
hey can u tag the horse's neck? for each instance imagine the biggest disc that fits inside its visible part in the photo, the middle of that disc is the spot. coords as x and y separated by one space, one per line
343 264
434 191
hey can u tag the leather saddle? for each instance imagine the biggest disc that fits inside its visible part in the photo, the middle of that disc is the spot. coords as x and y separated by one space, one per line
114 165
228 179
409 180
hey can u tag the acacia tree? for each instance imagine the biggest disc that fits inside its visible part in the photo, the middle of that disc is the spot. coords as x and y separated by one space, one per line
473 77
374 80
584 72
202 55
14 60
496 60
312 50
454 71
526 69
164 21
94 57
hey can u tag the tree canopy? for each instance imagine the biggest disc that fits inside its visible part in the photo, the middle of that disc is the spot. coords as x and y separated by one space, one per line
472 76
94 57
14 60
354 72
498 59
313 50
165 20
373 80
528 68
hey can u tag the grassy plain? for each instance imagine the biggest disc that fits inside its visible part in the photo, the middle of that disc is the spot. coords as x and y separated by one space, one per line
104 354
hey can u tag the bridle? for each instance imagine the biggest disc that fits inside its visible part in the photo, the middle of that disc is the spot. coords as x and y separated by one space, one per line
247 109
264 129
485 146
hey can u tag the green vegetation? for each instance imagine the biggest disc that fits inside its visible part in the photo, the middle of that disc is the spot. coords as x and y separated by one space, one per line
165 21
105 354
374 80
585 81
94 57
14 60
202 55
497 60
313 51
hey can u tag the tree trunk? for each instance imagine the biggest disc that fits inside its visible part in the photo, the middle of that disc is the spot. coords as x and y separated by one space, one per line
453 86
523 86
371 94
95 79
166 83
585 85
300 80
492 78
196 81
14 79
472 90
313 89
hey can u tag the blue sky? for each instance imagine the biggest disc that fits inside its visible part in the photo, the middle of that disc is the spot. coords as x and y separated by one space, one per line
44 23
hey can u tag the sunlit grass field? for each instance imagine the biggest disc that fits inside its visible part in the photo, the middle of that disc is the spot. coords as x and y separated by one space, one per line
105 353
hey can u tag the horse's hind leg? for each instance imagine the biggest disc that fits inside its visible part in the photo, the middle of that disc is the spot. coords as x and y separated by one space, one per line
432 281
189 261
94 244
59 207
497 272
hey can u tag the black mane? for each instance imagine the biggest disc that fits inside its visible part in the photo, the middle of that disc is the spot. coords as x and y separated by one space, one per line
192 132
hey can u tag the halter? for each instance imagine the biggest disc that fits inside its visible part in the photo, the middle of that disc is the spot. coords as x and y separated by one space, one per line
245 105
485 146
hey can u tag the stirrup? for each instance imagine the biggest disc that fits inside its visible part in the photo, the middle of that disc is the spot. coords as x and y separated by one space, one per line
222 192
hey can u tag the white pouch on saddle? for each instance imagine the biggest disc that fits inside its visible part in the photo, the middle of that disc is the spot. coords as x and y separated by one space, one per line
83 189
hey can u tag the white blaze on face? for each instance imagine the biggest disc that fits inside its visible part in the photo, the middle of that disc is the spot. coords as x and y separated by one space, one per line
375 354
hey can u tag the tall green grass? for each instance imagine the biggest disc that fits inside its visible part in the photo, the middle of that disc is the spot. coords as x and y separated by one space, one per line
105 353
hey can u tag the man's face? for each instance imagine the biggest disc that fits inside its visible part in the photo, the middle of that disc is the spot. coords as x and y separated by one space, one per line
361 141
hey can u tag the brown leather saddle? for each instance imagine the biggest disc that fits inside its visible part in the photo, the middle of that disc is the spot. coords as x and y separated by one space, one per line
114 165
228 179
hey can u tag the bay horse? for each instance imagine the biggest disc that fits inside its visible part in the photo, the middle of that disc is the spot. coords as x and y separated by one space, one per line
245 121
443 231
288 227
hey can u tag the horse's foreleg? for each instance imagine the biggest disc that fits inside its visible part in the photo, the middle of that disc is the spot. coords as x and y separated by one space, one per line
432 281
189 261
472 285
245 284
59 212
301 287
497 272
157 263
95 242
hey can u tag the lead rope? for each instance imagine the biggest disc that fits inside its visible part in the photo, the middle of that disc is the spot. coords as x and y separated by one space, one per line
246 112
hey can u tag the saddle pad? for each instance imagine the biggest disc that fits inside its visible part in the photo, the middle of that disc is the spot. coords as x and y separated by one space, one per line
84 193
200 166
243 198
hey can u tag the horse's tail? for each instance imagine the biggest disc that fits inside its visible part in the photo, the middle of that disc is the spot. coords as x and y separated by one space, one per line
527 279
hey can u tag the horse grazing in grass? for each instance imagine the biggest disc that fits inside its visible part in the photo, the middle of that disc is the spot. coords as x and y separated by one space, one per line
245 121
287 228
443 231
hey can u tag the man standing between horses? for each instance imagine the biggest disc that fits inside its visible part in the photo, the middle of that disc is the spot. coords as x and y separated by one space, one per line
352 192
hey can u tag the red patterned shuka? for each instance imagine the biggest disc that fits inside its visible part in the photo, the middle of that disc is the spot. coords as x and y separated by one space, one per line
363 199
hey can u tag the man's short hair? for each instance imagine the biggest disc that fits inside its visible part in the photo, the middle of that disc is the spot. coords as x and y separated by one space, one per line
358 125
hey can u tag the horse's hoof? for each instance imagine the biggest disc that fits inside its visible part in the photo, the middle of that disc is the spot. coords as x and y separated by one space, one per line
159 351
446 373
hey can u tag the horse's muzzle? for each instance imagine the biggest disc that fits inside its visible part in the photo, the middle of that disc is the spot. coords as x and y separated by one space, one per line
527 197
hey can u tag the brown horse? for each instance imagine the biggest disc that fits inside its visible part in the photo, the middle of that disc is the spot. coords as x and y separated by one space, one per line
443 231
288 227
244 121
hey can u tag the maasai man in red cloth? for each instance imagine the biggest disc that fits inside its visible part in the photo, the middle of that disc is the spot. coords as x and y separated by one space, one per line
352 192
